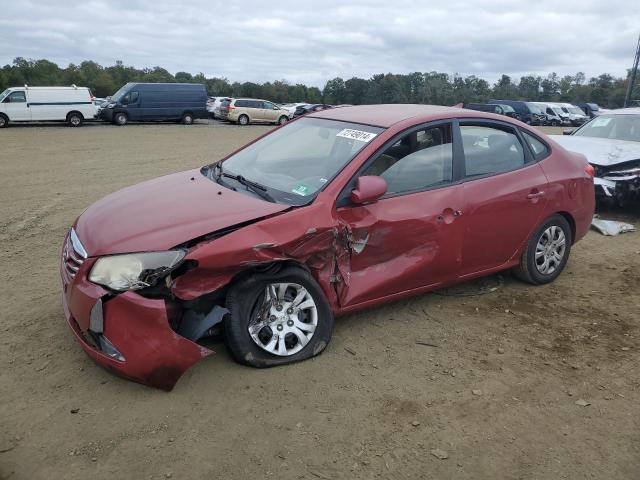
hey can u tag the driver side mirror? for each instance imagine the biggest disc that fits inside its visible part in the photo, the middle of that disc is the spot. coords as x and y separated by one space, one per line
567 131
125 100
369 188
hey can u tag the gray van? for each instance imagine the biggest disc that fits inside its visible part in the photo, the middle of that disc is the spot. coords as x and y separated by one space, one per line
145 102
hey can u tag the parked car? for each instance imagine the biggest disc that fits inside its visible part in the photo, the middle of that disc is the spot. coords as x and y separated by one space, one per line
555 116
144 102
291 107
310 108
30 104
611 143
213 105
244 111
576 115
591 109
335 212
528 112
493 108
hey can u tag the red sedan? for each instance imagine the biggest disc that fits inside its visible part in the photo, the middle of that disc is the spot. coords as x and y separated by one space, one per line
340 210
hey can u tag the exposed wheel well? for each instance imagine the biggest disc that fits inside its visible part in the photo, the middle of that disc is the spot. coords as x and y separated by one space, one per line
72 112
572 223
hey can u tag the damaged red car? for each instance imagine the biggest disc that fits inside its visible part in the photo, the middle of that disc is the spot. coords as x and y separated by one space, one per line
337 211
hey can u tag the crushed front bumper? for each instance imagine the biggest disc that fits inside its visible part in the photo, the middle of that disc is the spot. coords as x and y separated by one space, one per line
136 341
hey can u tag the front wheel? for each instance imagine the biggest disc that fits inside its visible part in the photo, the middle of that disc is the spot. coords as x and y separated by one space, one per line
283 119
120 119
277 318
546 253
187 119
4 121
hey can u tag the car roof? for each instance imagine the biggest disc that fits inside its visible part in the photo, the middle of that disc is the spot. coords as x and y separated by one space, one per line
386 115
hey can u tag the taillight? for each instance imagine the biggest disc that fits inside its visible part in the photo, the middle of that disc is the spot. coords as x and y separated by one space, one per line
590 170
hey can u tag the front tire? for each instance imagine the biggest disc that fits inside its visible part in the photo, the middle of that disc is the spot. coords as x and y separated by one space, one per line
187 119
4 121
547 252
283 119
243 120
277 318
120 119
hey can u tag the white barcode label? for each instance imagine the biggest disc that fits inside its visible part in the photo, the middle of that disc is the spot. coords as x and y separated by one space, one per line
356 135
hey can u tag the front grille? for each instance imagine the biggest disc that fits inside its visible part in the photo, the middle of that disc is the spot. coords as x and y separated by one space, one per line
73 256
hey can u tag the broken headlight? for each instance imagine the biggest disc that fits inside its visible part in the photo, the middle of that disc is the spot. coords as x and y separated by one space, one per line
133 271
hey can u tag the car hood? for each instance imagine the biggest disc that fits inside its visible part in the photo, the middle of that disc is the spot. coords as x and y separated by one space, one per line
161 213
600 151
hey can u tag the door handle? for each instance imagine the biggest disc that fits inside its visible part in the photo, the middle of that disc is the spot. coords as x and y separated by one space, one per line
536 195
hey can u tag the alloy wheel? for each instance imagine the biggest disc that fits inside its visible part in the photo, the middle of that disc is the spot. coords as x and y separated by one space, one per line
284 319
550 250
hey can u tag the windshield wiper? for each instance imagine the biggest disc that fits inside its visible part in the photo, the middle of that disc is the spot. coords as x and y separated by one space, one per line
255 187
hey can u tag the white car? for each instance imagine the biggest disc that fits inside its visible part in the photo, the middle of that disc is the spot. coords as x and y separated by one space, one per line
611 143
31 104
576 115
213 106
291 107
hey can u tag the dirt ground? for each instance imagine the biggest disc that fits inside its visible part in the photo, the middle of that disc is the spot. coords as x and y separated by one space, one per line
500 392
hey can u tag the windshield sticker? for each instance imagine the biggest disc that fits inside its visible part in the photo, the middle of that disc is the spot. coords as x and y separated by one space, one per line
356 135
601 122
301 189
323 180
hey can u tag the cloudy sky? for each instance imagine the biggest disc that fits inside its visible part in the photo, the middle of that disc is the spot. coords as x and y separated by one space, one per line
311 41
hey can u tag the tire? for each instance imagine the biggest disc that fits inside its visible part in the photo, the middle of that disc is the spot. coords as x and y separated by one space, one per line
244 301
243 120
283 119
75 119
4 121
554 123
530 269
120 118
187 119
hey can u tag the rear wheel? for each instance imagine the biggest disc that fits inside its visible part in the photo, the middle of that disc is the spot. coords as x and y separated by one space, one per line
277 318
547 252
120 118
243 120
283 119
4 121
187 119
75 119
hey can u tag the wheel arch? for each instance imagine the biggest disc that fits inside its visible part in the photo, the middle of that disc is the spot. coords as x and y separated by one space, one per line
71 112
572 223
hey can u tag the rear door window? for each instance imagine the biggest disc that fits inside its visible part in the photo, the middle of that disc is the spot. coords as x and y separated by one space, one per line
490 150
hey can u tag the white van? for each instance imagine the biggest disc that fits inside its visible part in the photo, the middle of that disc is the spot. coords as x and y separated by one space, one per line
31 104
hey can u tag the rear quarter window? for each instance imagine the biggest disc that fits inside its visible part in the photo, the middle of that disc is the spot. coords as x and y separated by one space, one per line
538 148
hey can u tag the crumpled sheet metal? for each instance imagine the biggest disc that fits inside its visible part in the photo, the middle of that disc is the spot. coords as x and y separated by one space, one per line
611 227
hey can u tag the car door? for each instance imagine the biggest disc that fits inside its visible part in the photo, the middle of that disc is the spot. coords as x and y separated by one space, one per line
503 194
271 112
16 107
410 238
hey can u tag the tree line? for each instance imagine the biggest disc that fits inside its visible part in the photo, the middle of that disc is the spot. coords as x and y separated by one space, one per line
428 88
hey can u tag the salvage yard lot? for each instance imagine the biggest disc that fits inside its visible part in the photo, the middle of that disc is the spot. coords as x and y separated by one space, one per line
497 381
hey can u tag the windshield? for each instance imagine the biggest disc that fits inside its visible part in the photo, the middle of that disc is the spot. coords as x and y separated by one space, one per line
4 94
617 127
534 108
576 111
296 161
120 93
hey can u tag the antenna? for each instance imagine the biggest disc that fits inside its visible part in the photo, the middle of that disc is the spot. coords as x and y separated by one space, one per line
632 76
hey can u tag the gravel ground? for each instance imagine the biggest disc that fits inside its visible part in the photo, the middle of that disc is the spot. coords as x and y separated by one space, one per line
521 383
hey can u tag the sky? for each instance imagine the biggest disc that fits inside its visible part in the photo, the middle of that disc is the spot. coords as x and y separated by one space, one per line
311 41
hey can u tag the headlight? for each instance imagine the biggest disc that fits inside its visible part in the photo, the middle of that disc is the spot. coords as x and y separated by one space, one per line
111 105
134 271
